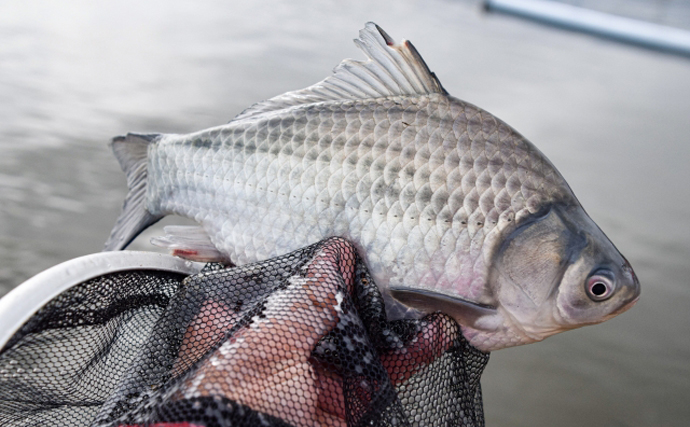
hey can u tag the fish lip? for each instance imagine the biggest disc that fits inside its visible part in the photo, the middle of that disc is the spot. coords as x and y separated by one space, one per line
625 307
634 288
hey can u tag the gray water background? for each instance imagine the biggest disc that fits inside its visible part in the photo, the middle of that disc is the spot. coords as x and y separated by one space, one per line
615 120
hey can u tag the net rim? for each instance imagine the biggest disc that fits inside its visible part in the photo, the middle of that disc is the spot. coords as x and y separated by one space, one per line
22 302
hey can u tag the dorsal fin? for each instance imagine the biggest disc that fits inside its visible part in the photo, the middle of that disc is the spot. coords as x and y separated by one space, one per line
391 70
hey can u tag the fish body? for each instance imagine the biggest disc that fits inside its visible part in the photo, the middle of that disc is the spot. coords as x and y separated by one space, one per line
451 208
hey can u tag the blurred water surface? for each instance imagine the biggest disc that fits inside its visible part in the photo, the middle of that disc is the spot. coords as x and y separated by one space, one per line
614 119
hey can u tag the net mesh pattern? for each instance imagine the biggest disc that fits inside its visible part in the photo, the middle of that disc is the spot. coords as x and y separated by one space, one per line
299 340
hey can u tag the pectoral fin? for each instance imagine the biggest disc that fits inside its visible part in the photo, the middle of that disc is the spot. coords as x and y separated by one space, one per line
464 312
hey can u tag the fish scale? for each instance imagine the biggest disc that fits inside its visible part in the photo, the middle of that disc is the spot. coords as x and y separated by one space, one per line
279 194
450 207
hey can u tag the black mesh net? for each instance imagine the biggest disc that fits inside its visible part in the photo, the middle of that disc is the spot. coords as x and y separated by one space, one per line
300 340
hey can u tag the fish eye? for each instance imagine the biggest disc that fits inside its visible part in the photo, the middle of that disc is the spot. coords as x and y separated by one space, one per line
599 287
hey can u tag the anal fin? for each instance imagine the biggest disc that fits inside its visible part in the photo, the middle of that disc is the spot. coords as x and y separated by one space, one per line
189 242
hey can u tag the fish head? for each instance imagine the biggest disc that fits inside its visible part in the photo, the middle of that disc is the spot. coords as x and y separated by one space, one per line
553 272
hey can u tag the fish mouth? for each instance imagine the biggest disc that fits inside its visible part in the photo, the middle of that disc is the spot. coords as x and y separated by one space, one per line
626 307
634 288
623 308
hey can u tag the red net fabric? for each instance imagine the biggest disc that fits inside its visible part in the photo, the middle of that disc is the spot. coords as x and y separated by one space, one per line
299 340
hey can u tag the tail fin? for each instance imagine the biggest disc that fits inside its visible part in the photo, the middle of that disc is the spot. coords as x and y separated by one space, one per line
131 151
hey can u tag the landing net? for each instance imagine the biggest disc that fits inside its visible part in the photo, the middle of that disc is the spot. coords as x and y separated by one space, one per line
299 340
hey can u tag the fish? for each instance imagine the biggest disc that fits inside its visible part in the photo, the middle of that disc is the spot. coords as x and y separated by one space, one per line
451 209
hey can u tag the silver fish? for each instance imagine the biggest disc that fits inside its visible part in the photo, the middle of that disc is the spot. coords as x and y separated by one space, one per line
450 207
